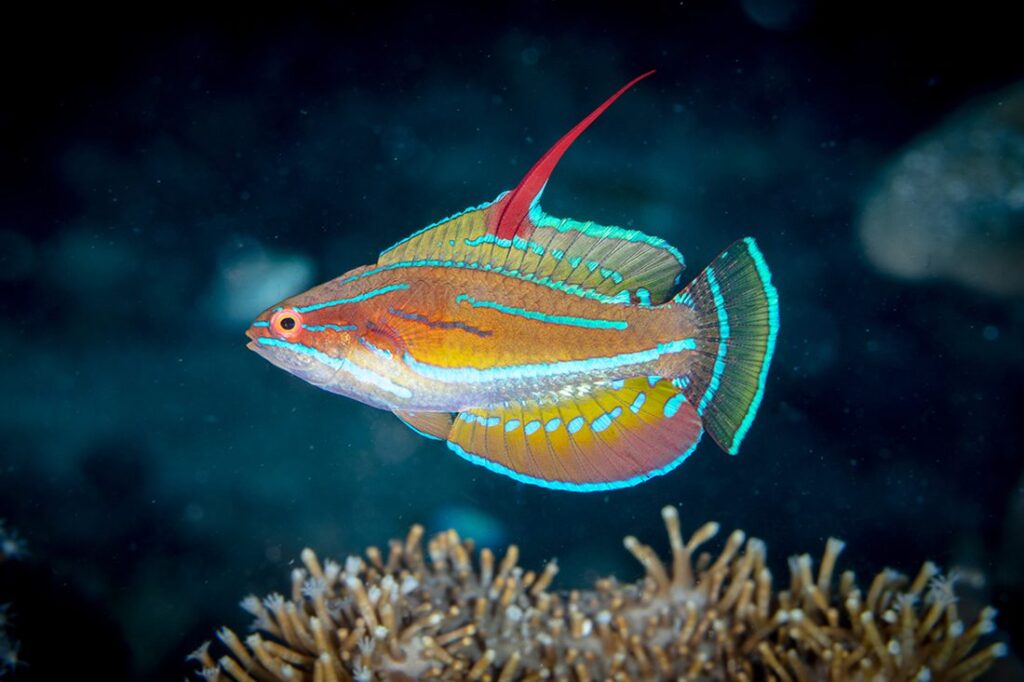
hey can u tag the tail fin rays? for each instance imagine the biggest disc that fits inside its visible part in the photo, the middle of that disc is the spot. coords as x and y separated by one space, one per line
737 320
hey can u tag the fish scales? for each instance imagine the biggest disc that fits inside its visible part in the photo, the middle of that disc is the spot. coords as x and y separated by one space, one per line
458 326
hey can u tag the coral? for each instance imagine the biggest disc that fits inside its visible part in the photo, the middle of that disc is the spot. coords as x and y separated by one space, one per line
11 547
446 615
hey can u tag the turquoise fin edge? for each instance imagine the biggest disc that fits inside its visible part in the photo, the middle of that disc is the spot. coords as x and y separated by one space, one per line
573 487
772 296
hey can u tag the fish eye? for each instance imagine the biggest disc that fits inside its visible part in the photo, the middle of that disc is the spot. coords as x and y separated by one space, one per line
286 323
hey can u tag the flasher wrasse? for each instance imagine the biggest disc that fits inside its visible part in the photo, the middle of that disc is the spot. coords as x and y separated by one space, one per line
560 353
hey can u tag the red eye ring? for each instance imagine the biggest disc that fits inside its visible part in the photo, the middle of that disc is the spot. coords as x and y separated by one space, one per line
286 323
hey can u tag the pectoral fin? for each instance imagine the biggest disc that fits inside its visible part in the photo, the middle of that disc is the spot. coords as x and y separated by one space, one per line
434 425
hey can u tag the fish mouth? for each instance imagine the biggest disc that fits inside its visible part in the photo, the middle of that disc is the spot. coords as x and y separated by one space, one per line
282 355
254 338
274 356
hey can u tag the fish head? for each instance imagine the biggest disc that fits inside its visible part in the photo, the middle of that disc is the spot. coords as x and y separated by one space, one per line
331 336
309 342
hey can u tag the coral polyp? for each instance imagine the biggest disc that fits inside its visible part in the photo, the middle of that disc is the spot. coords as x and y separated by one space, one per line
451 612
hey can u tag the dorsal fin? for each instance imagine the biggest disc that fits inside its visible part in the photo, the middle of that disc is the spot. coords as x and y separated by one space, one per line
515 207
578 257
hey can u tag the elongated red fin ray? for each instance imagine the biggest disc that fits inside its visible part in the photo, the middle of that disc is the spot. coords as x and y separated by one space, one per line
515 207
615 436
578 257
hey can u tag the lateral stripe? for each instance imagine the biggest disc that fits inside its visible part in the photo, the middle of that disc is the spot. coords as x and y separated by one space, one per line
357 372
354 299
382 353
331 327
583 292
567 320
473 375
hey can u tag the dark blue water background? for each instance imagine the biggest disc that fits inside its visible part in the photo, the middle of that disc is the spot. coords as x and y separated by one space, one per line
163 183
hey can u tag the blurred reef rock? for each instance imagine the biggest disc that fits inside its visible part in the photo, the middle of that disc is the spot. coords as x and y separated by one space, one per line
951 206
454 613
249 275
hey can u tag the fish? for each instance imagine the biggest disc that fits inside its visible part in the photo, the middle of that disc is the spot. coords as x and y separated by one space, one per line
560 353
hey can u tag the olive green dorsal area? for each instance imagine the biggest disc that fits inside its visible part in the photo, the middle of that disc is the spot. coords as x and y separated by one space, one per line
610 261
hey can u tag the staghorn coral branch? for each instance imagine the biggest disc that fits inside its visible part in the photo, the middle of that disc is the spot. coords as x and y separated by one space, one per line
441 614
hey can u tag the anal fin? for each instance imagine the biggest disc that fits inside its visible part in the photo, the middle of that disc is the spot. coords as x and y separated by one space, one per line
618 435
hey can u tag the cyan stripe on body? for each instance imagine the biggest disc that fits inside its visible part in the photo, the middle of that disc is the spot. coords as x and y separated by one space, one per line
331 327
473 375
568 320
353 299
382 353
359 373
575 289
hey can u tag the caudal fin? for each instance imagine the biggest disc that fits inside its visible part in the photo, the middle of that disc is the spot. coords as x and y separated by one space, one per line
737 322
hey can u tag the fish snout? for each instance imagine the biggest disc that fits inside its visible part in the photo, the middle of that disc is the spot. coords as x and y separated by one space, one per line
255 332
